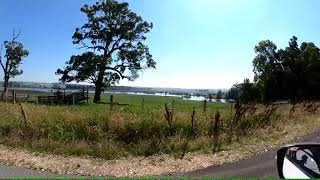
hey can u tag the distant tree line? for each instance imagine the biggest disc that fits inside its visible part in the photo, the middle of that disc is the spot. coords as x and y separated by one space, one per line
292 73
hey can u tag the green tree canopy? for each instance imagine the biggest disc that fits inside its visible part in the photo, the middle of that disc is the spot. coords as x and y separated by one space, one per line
114 38
290 73
12 59
219 96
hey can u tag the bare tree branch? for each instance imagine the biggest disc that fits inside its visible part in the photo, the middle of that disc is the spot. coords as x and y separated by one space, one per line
15 36
114 48
1 58
127 66
117 71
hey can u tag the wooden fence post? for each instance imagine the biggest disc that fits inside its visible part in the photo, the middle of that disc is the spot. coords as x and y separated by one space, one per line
111 101
142 104
14 96
216 132
205 106
87 95
73 100
193 115
37 100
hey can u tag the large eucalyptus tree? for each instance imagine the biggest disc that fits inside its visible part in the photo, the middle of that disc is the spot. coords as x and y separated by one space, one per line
12 59
114 39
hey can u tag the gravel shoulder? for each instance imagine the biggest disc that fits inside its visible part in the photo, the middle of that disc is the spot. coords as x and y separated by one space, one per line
160 165
126 167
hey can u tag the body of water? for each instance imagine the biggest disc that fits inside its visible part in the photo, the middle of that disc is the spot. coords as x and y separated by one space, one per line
190 98
202 98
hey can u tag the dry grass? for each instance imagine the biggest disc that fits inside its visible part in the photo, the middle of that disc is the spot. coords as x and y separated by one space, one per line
97 131
260 141
129 135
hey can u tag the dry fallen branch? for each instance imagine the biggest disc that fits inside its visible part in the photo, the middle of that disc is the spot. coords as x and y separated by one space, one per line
24 115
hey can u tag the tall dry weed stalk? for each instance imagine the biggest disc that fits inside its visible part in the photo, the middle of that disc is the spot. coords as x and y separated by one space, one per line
168 114
293 109
310 107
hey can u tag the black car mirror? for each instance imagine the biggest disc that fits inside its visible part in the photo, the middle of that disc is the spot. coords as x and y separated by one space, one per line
299 161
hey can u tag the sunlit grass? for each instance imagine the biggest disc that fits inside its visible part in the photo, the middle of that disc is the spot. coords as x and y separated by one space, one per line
131 130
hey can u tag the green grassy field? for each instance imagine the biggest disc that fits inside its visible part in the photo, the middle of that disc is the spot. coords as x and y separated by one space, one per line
133 130
158 102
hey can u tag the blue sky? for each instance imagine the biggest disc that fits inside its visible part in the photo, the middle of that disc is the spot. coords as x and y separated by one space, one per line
196 43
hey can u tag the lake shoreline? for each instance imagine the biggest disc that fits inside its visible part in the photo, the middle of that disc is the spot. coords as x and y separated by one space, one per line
51 90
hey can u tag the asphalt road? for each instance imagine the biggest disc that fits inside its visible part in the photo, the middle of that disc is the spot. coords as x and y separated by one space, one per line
19 172
259 166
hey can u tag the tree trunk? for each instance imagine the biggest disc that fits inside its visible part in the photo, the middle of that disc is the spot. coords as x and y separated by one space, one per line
99 85
97 93
5 84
